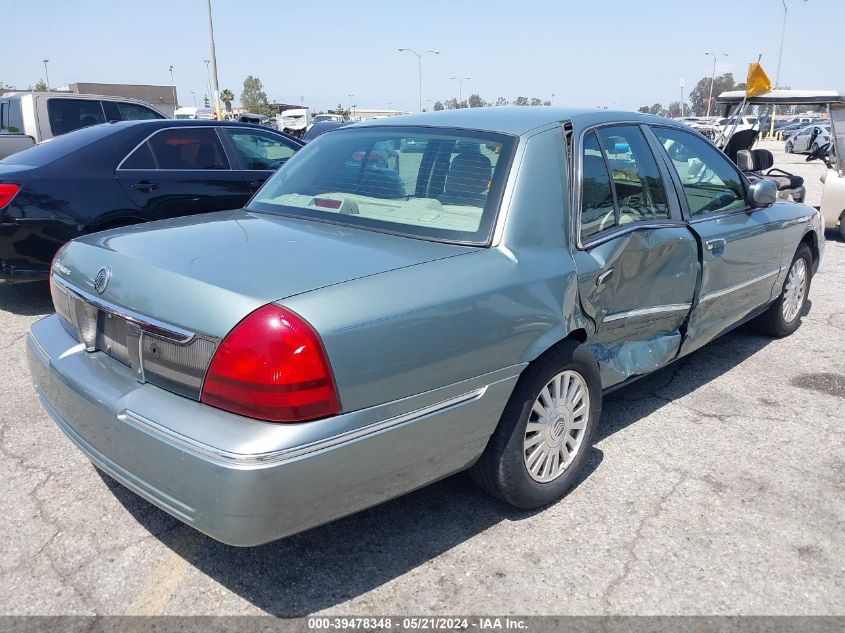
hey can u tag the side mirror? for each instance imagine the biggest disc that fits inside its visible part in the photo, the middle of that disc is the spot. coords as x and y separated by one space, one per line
762 193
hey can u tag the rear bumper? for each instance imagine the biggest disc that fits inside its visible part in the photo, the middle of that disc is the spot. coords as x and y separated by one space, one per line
26 250
245 482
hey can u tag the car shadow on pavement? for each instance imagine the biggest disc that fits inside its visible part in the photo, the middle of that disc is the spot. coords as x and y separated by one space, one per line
344 559
641 398
27 299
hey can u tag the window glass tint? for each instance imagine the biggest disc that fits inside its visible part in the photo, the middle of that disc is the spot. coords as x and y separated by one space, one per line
188 149
710 183
141 158
58 148
258 150
640 194
135 112
14 120
597 210
67 115
432 183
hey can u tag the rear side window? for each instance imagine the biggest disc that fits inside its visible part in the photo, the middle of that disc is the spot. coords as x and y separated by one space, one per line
621 181
67 115
432 183
135 112
259 150
141 158
186 148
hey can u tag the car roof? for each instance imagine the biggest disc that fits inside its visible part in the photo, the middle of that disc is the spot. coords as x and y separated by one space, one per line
514 120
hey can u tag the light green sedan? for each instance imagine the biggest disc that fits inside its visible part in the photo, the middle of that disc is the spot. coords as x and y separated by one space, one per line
406 299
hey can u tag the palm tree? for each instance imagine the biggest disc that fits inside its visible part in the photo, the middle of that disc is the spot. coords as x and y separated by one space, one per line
227 96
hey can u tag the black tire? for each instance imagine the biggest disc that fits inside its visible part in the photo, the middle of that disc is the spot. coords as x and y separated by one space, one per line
842 227
501 469
772 321
814 148
788 147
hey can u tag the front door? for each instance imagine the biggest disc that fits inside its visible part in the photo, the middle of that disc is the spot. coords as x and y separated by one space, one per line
182 171
741 245
637 260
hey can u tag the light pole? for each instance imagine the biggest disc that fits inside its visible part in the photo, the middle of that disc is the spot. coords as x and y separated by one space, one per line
350 106
46 74
419 67
712 79
208 73
214 85
682 97
194 95
780 57
461 81
173 88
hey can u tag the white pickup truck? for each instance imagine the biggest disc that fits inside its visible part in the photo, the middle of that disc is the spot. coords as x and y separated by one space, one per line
27 118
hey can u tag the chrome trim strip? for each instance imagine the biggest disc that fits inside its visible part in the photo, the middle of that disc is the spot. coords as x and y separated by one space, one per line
271 457
672 307
721 293
795 221
147 324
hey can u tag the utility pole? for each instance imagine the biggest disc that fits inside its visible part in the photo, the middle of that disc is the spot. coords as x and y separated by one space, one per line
682 97
46 74
173 88
780 58
712 79
214 85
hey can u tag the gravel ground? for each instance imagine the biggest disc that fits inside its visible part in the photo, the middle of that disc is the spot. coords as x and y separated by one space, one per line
715 487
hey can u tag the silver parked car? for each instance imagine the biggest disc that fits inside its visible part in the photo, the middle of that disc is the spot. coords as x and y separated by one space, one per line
808 140
405 299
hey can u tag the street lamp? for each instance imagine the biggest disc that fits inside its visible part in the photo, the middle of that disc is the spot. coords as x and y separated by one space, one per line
350 106
194 95
682 97
173 87
214 85
46 74
712 79
780 57
419 67
461 81
208 73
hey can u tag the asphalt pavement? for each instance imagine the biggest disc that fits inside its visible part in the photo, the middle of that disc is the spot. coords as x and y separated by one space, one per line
715 487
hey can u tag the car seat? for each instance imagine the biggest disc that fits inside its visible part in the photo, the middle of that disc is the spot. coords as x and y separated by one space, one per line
753 162
468 180
742 140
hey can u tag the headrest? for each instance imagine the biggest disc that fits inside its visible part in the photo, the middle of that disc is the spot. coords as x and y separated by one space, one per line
744 160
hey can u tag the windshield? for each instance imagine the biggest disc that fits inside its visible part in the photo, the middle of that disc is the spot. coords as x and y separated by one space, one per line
431 183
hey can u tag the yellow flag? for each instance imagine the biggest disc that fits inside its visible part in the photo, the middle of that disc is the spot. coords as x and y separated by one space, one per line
758 82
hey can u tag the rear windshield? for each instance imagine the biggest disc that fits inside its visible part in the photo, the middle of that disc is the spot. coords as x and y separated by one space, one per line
58 147
430 183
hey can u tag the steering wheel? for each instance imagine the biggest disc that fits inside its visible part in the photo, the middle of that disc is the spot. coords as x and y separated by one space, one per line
819 153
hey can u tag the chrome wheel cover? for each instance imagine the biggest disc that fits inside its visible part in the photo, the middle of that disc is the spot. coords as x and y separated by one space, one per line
794 290
556 426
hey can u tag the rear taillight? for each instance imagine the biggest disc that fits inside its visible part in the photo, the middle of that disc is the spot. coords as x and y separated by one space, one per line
272 366
7 192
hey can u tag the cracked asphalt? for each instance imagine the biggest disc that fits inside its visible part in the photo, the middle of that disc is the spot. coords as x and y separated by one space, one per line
715 487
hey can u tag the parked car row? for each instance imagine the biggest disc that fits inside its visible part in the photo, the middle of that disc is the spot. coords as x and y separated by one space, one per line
402 300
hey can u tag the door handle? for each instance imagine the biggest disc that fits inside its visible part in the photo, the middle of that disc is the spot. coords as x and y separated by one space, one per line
716 245
604 276
144 185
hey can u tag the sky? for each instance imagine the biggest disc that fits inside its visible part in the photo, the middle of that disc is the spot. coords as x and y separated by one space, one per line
601 53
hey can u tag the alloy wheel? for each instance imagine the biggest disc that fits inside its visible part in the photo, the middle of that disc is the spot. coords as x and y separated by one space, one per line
556 426
795 290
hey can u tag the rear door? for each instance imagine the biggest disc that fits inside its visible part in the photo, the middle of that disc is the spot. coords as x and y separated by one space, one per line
256 154
741 245
181 171
637 261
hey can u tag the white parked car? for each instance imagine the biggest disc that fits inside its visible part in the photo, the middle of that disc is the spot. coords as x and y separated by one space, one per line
808 140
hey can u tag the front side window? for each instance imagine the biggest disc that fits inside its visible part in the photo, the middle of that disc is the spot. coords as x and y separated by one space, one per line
431 183
67 115
259 150
186 148
634 191
710 183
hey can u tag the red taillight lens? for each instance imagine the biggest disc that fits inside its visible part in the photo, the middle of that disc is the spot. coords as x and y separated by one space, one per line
7 192
272 366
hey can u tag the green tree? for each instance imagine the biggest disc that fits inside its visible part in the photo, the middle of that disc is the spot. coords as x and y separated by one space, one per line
341 111
41 86
475 101
227 96
501 101
253 97
535 101
521 101
438 106
657 109
699 95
